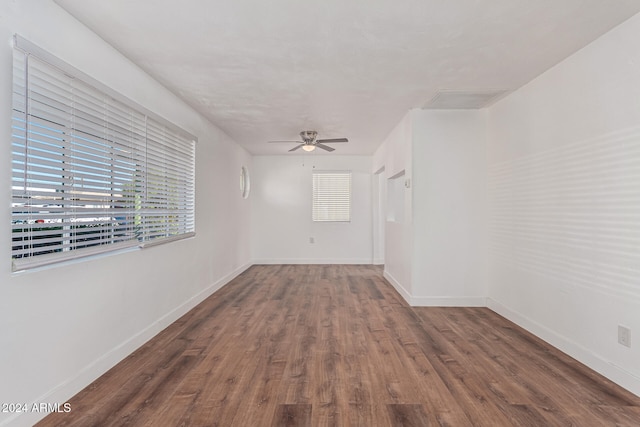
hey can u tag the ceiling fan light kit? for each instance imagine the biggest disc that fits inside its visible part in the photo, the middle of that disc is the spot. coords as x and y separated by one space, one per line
309 141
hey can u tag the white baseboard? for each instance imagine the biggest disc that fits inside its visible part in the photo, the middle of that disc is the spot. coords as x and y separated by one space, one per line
448 301
312 261
401 290
615 373
62 392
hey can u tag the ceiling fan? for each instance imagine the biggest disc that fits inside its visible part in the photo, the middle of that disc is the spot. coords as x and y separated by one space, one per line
309 141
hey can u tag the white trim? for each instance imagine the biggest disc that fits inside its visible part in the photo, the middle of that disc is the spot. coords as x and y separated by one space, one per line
613 372
85 376
398 287
448 301
63 258
163 240
312 261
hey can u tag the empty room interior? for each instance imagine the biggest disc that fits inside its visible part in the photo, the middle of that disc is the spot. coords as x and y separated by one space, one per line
374 213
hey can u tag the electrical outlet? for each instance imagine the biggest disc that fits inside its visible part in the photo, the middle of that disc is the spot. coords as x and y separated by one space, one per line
312 240
624 336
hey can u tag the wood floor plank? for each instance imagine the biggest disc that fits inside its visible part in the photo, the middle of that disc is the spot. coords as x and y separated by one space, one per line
511 401
336 345
407 415
542 378
292 415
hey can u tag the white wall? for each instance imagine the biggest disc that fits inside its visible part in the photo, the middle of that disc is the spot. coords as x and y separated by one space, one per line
564 180
63 326
449 208
394 155
379 211
281 195
434 253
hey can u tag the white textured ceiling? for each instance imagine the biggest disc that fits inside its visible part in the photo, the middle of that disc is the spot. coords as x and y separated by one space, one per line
265 70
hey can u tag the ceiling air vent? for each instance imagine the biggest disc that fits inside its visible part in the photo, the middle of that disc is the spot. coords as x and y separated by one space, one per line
463 100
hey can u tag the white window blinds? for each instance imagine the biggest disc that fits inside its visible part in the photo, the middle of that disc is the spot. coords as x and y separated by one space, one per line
331 196
92 171
168 207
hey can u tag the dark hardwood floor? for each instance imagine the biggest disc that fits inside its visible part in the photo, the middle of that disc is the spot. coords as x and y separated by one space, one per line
313 345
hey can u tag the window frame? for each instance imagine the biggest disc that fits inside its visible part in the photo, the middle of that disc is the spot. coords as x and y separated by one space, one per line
142 179
326 207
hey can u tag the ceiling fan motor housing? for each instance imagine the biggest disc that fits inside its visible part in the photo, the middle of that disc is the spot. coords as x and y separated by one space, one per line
308 136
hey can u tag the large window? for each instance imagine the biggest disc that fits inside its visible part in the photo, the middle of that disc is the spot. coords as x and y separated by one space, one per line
331 196
92 171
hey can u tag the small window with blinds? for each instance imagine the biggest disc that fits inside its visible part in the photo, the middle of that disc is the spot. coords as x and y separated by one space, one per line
91 171
331 196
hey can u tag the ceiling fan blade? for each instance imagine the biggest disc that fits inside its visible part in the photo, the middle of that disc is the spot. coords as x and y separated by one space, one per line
333 140
288 142
324 147
296 147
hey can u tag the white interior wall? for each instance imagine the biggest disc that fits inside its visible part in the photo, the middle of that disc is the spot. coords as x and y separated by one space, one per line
564 156
379 209
449 208
434 252
281 197
394 155
63 326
